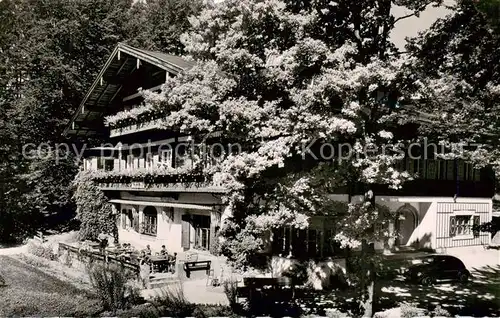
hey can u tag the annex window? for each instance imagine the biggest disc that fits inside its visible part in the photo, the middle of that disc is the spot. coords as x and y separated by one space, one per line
150 222
303 243
464 226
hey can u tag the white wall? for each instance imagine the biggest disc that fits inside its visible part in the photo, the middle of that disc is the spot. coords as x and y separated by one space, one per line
169 231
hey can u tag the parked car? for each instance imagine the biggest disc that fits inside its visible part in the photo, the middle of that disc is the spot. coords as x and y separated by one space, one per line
428 269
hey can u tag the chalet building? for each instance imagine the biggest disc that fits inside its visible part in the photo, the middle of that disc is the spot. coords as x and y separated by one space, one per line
183 211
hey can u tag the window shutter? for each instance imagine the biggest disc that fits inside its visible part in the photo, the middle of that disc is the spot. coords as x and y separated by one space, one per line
136 221
475 226
185 235
453 226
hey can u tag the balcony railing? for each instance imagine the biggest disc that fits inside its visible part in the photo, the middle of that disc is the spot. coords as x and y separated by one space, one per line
160 183
135 127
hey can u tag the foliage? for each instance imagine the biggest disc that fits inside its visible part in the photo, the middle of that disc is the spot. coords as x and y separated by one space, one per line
440 312
32 292
166 175
231 290
158 24
171 301
93 209
293 77
491 11
110 285
334 313
41 250
47 169
454 59
23 303
50 53
410 311
490 227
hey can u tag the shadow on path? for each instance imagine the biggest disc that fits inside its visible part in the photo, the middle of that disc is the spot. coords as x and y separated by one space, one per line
479 297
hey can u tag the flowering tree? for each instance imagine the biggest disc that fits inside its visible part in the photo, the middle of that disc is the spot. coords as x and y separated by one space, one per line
456 59
284 78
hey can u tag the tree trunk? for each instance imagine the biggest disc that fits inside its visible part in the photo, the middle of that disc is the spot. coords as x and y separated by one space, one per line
368 303
369 284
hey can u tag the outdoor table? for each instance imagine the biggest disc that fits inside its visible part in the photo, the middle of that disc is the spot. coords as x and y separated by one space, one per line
159 261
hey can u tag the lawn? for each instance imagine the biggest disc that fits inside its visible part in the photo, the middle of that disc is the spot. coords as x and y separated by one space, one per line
31 292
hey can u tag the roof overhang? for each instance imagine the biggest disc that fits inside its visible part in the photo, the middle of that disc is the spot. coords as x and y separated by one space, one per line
164 204
87 120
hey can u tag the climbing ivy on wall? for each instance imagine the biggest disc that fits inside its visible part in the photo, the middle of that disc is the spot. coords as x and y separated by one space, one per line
93 209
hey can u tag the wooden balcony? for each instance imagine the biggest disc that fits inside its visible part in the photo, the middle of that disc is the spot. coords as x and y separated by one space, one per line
135 128
192 183
437 188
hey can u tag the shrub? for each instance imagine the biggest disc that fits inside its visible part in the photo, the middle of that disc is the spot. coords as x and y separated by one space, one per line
142 311
172 302
66 259
110 285
20 302
440 312
213 311
93 210
231 291
41 250
409 311
334 313
34 261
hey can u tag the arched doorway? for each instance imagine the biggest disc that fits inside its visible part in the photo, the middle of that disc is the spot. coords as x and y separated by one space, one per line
406 223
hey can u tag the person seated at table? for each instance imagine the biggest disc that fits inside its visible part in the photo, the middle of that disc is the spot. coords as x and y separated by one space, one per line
144 258
148 250
163 250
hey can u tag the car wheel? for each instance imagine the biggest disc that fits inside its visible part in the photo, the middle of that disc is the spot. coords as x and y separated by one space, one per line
426 281
463 277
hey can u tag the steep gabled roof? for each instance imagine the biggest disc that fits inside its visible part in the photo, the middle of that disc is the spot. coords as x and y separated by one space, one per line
123 60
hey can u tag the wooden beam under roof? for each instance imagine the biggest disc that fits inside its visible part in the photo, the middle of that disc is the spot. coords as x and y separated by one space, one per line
156 59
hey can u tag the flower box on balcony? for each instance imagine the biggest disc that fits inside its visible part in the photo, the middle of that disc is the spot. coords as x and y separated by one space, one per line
134 127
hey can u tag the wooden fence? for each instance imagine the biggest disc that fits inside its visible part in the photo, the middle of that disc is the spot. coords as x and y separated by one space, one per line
88 257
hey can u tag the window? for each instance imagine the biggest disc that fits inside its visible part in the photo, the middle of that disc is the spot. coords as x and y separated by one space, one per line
464 226
477 175
201 224
106 164
450 170
181 154
148 162
304 243
314 242
431 170
124 219
150 221
165 159
127 218
130 162
461 173
169 213
330 245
